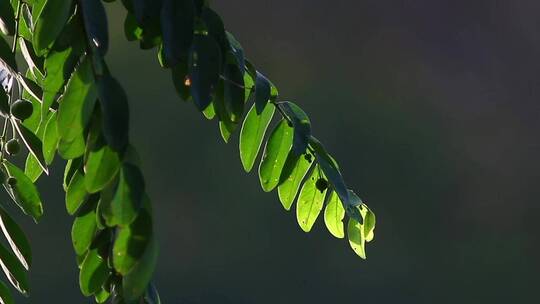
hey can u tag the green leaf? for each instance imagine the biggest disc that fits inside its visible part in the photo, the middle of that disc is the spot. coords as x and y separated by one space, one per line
95 25
32 168
177 25
31 87
50 23
310 202
25 193
71 149
131 28
101 167
71 168
4 103
369 222
292 175
115 112
7 57
136 281
7 18
14 271
262 92
50 139
102 296
94 273
75 193
204 68
16 239
227 128
128 198
357 240
131 241
77 103
252 134
5 294
146 11
333 216
275 154
301 124
237 51
84 228
34 145
331 171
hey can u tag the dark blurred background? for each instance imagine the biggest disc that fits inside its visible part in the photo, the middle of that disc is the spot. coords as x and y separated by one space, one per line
431 108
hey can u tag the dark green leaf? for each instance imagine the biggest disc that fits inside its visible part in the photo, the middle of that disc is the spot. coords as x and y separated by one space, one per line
177 25
14 271
115 112
95 24
31 87
76 193
292 175
94 273
310 202
50 23
131 241
333 216
24 193
252 134
237 51
7 56
35 63
4 104
5 294
262 92
275 154
146 11
84 228
128 198
136 281
16 239
181 81
331 171
7 18
233 95
204 68
131 28
301 125
34 145
101 167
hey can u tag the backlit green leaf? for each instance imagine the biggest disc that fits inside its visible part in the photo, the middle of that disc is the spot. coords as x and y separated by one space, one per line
84 228
301 125
50 139
76 193
262 92
5 294
115 112
136 281
50 23
333 216
357 240
310 202
252 134
275 154
24 193
94 273
292 175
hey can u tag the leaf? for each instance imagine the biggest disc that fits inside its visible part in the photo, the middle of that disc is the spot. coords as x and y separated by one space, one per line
252 134
77 103
275 154
301 124
204 68
152 296
50 139
131 28
115 113
71 149
84 228
233 93
7 18
16 239
75 193
237 51
369 222
128 197
177 25
14 271
71 168
5 294
102 296
32 168
95 24
131 241
31 58
34 145
94 273
101 167
50 23
333 216
357 240
25 193
146 11
310 202
331 171
227 128
292 175
31 87
181 81
7 57
262 92
136 281
4 104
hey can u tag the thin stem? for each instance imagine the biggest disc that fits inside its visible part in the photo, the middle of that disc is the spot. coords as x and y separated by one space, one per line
16 36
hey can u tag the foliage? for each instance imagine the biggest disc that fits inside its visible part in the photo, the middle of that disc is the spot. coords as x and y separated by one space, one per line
67 103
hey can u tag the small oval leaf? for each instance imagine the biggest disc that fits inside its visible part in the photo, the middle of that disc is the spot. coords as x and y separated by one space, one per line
310 202
275 154
252 134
